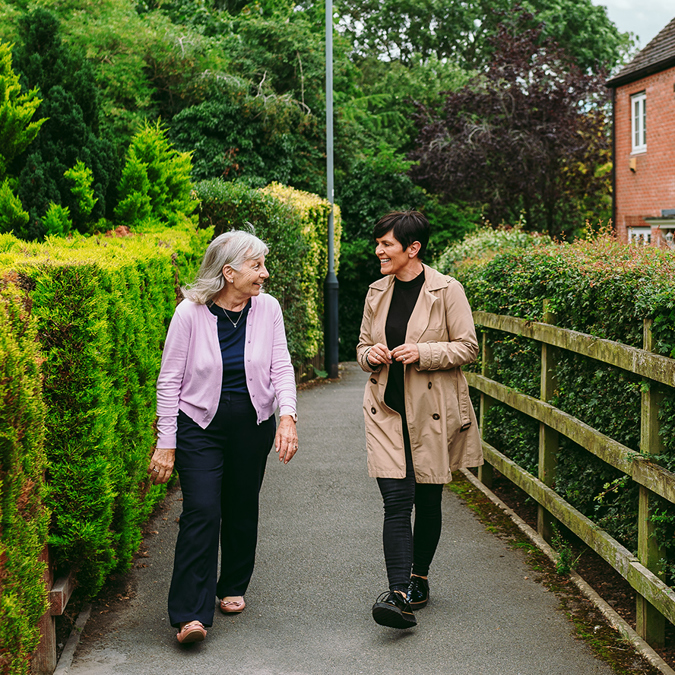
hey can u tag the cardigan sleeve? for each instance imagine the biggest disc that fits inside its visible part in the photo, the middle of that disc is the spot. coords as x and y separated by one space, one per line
170 380
282 374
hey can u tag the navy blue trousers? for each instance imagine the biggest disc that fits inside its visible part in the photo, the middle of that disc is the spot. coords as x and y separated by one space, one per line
221 471
406 550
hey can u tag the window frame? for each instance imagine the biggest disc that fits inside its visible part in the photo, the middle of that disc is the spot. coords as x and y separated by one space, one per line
640 235
638 122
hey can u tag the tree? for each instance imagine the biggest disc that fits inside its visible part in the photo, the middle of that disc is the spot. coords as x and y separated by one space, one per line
70 102
527 137
462 31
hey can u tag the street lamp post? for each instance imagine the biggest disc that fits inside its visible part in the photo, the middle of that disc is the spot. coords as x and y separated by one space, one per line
331 284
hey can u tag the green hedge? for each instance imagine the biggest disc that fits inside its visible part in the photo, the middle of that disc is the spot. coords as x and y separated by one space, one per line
294 224
23 516
93 313
596 286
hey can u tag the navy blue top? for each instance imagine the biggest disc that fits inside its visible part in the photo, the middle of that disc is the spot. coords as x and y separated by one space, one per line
232 341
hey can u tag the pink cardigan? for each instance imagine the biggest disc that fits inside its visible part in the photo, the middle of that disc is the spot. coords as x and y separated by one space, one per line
190 378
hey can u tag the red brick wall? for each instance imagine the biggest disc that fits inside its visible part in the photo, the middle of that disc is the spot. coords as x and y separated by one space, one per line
651 187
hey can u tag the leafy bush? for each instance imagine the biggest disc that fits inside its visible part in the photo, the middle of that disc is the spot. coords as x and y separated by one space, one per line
294 225
596 286
256 139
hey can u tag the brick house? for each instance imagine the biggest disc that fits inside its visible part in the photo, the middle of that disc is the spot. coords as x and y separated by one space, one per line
643 99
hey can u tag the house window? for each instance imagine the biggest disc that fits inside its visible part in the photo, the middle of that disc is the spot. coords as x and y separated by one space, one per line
640 235
638 106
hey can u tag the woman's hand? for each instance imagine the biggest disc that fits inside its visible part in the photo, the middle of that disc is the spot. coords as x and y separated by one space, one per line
161 465
406 354
286 440
378 354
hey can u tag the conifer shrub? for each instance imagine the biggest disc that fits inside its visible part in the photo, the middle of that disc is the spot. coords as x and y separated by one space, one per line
294 224
23 515
597 286
155 180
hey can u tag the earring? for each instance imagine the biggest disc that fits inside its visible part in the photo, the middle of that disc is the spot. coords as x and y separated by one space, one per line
231 281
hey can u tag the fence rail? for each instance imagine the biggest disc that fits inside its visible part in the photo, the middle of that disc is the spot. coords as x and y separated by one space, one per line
656 600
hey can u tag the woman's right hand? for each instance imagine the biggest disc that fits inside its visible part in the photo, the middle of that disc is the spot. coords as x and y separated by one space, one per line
161 465
378 354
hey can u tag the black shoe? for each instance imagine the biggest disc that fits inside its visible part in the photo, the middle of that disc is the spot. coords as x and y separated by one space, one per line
393 610
418 592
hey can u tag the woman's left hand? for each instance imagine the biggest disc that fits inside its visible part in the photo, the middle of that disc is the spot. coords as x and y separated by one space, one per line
406 354
286 440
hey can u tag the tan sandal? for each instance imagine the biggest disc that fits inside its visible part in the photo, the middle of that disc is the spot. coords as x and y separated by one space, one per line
193 631
232 606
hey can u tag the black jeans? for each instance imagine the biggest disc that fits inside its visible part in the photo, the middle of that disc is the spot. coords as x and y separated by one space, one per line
221 471
404 549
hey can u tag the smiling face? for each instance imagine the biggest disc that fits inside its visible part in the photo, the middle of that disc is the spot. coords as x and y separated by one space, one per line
249 280
394 259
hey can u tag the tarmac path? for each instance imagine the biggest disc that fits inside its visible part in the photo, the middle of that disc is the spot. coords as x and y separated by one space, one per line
319 569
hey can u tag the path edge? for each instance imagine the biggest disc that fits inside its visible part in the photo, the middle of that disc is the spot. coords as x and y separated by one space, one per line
66 659
616 621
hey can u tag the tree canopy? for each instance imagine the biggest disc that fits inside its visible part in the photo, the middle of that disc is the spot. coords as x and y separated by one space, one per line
240 86
524 138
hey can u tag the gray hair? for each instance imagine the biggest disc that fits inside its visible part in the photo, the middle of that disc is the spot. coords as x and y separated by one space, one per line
232 248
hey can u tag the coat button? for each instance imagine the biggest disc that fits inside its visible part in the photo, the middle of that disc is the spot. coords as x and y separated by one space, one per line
436 416
373 380
429 385
372 410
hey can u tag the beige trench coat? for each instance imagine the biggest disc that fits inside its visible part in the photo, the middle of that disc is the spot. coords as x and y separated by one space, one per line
441 420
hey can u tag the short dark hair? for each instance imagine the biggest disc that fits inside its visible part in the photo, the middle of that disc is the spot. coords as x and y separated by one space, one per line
407 226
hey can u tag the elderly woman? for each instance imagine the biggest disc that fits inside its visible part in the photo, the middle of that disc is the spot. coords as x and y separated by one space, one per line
417 332
224 369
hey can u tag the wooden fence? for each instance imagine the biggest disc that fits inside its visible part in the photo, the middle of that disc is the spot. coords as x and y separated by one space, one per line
655 600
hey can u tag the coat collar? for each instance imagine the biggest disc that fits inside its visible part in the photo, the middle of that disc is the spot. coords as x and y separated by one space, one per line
433 280
419 319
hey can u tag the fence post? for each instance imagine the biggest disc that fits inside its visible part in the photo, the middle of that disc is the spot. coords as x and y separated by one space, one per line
43 661
650 623
485 472
548 438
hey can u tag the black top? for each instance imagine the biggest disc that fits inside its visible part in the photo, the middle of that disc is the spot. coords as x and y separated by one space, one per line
402 304
232 342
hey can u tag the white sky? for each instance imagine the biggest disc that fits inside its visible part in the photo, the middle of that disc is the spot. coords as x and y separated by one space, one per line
645 18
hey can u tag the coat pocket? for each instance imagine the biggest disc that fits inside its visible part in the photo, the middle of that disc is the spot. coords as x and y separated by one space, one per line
463 400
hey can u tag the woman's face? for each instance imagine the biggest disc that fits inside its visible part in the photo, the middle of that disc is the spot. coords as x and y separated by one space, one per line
393 257
250 278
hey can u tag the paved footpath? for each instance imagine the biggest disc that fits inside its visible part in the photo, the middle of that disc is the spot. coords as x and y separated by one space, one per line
319 569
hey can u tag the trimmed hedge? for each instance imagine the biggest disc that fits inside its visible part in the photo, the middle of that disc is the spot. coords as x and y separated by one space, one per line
23 516
596 286
93 313
294 224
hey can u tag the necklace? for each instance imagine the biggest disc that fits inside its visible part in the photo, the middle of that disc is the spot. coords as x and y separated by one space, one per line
234 323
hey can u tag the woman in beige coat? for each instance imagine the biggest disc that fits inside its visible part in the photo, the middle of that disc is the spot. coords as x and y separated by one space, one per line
417 332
